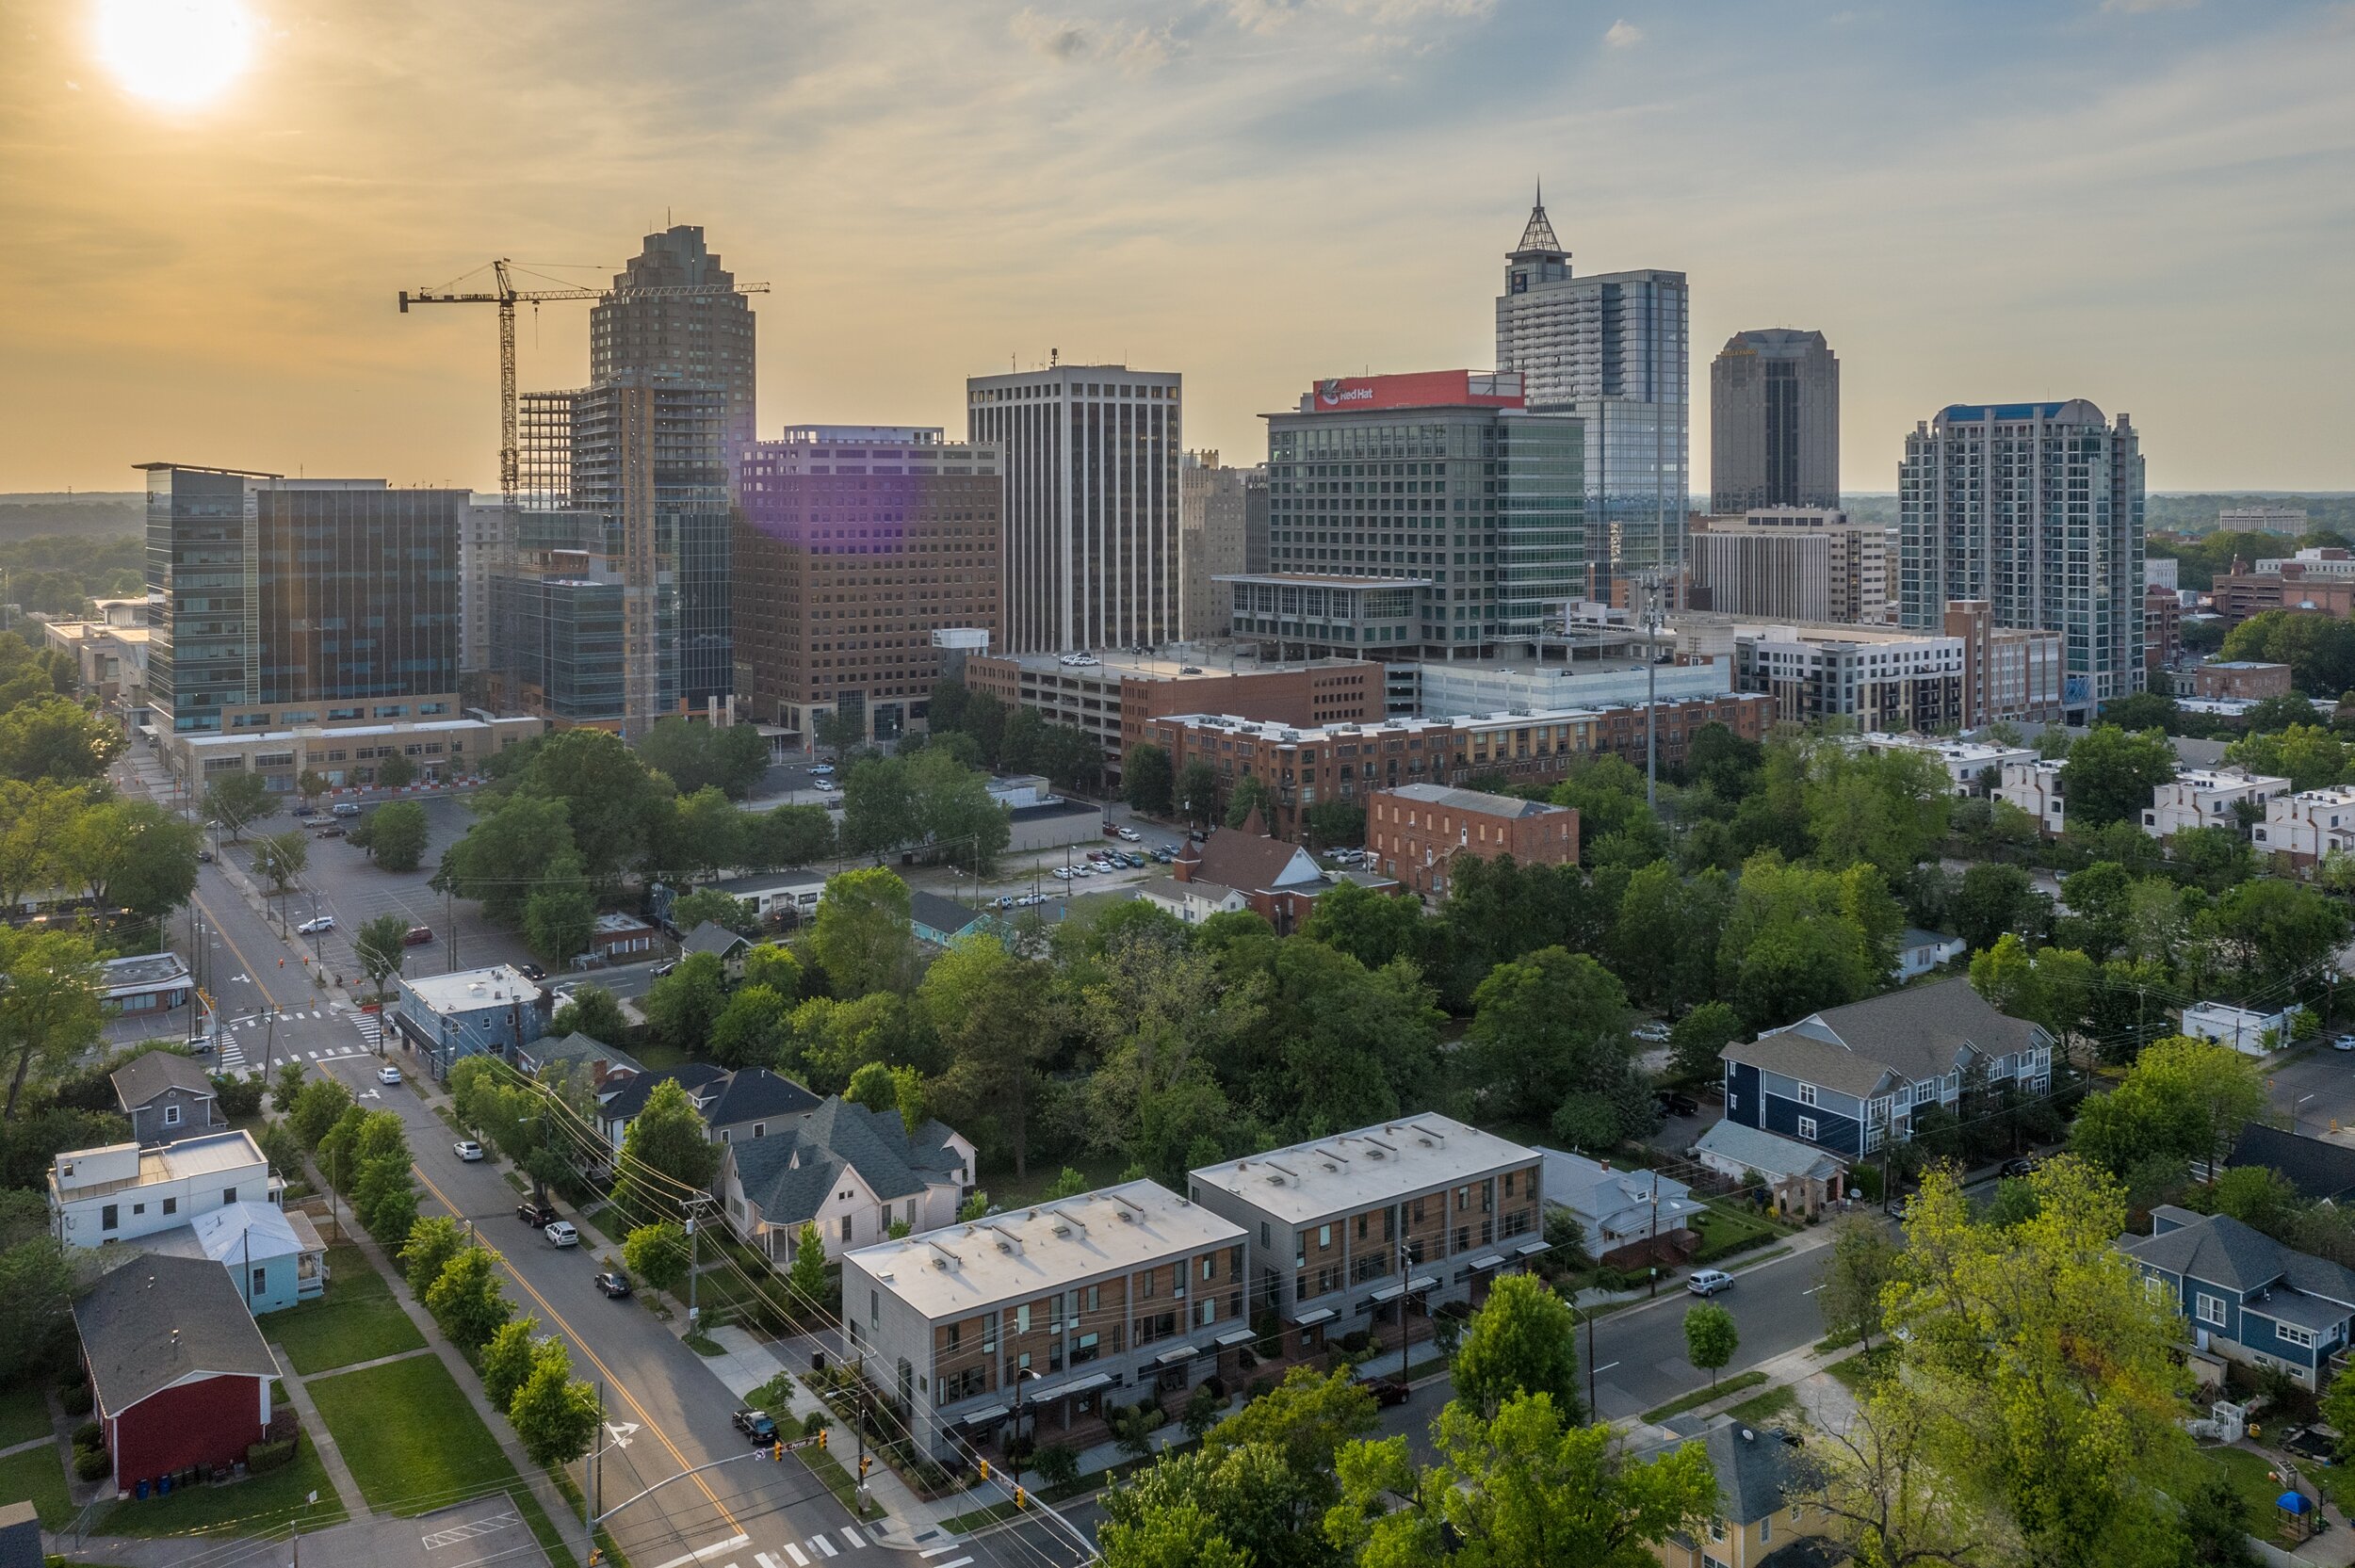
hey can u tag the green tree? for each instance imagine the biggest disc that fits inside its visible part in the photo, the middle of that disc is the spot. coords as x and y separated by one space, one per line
691 910
952 807
279 859
431 1246
1547 1025
37 1286
1711 1338
1863 1261
394 770
1697 1044
2110 775
50 1011
657 1253
871 1086
1522 1340
131 854
703 833
613 803
2184 1098
317 1108
1527 1488
863 936
1250 795
752 1028
789 835
1995 898
1067 1183
1330 824
2338 1408
683 1005
878 807
2307 754
807 1276
466 1301
506 1361
503 856
381 945
285 1085
1147 780
554 1413
560 915
667 1149
836 732
56 738
396 835
310 784
237 801
592 1012
1195 793
1373 927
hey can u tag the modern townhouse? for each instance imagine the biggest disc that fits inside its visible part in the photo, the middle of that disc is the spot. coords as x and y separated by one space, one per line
2206 798
2034 787
1967 764
1027 1322
2308 825
2245 1297
1381 1226
1850 1079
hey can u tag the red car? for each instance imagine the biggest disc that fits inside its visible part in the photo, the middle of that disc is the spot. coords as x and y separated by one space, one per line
417 937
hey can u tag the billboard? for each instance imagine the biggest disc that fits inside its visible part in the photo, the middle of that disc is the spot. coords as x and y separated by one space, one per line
1421 390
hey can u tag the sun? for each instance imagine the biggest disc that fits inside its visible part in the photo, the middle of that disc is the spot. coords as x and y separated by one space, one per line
179 53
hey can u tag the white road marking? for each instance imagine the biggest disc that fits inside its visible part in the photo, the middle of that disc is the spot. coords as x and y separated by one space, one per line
795 1553
712 1550
766 1560
1605 1367
956 1562
941 1551
824 1546
857 1541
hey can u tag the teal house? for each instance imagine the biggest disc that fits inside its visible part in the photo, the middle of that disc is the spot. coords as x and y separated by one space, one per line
275 1258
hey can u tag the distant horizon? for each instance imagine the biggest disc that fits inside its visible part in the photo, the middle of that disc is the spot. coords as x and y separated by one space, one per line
64 498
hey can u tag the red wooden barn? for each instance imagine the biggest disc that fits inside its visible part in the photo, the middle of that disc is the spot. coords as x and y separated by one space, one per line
179 1370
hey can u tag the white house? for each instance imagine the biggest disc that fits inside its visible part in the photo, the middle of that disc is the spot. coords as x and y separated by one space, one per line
1192 902
2245 1030
2205 797
2308 825
2034 787
123 1192
1965 762
852 1172
1920 952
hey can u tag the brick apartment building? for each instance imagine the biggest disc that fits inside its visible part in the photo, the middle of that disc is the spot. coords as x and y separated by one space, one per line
1345 1231
2162 626
1115 698
2243 679
2317 580
1302 766
1417 832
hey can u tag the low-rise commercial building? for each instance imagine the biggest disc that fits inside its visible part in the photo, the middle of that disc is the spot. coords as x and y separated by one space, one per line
144 983
2206 798
1049 1308
109 652
1417 833
2320 581
2245 680
1381 1226
1115 697
123 1192
489 1012
1461 689
347 755
2308 825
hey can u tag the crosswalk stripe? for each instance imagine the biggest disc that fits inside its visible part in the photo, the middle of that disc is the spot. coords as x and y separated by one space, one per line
942 1551
766 1560
824 1546
795 1552
853 1537
956 1562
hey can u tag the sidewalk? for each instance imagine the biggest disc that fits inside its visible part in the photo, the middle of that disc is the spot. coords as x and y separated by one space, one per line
1805 1240
323 1441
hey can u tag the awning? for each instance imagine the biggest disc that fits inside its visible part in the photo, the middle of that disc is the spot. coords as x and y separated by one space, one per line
1490 1261
1390 1292
1423 1282
1176 1353
983 1416
1233 1337
1088 1384
1531 1249
1310 1319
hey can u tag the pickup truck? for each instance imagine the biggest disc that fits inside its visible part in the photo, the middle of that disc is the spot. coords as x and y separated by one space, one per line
756 1425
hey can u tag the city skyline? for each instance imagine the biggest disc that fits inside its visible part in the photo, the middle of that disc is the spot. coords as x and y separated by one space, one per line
1248 194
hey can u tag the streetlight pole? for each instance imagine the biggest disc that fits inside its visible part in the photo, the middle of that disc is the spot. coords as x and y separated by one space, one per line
1014 1448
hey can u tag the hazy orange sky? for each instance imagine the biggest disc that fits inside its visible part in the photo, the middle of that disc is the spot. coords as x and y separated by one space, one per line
2145 202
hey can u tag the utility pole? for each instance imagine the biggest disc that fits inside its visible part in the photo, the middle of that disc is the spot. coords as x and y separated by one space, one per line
589 1482
861 1372
1650 581
1403 1275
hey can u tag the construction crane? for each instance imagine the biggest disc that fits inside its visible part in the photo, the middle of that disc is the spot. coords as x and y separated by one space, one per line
506 296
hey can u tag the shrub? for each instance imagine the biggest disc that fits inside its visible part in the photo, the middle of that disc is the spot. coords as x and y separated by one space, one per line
1058 1464
89 1434
238 1095
91 1463
816 1422
262 1458
75 1397
1355 1340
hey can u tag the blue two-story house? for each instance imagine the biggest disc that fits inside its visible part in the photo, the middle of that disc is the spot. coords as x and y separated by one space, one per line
2246 1296
1849 1079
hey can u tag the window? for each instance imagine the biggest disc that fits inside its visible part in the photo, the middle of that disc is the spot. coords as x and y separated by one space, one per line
1324 1237
1022 1318
228 1194
1806 1093
1717 1529
110 1217
1807 1128
171 1116
2292 1334
2210 1308
846 1227
261 1282
1733 1101
1765 1528
760 1129
172 1205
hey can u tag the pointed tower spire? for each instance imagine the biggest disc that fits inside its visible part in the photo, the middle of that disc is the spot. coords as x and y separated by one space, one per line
1538 240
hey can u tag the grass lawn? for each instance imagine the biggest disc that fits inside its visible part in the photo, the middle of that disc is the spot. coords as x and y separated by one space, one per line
2249 1474
23 1413
411 1438
1703 1396
1758 1409
250 1507
38 1476
357 1319
1723 1233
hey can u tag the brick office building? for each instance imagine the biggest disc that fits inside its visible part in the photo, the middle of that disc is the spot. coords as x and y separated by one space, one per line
855 543
1417 832
2245 679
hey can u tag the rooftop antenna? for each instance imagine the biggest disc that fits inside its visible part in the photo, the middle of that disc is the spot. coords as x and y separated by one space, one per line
1054 357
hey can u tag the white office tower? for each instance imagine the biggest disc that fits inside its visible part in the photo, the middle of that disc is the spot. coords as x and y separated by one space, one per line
1089 558
2037 509
1612 347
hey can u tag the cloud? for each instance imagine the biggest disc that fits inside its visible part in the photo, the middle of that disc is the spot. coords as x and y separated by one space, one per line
1623 35
1135 49
2136 6
1055 39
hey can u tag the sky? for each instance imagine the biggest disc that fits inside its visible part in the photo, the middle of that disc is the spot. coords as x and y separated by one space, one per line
2149 203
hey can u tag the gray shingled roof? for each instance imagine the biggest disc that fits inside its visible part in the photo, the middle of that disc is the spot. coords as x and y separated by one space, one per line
713 938
2222 1250
582 1048
142 1078
1754 1473
2318 1169
694 1076
753 1092
1474 800
156 1320
944 915
788 1175
1917 1032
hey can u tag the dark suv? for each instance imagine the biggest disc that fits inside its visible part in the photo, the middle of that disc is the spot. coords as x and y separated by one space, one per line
535 1214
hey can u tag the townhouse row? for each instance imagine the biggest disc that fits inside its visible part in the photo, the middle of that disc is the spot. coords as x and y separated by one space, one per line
1045 1316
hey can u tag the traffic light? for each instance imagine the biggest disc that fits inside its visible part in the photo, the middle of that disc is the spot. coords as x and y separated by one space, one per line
863 1461
822 1437
776 1451
985 1469
1021 1498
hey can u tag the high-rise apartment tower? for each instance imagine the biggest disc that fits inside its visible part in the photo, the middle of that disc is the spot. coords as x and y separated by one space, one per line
705 338
1090 457
1774 422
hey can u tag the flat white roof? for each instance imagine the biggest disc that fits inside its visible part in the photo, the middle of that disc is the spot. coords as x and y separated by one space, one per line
1335 1176
961 1270
469 989
353 731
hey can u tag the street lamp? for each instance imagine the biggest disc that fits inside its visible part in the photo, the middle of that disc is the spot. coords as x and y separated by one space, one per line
1014 1448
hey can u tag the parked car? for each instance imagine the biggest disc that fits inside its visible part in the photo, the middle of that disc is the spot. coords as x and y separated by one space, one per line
467 1150
1131 834
664 967
1112 829
1708 1282
825 786
417 936
532 972
2343 1043
203 857
1653 1033
535 1214
1061 873
331 830
306 810
317 926
1390 1391
345 808
615 1284
756 1425
2018 1167
822 769
388 1074
562 1233
1676 1103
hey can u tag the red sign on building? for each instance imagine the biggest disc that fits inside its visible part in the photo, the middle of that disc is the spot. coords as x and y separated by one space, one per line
1424 389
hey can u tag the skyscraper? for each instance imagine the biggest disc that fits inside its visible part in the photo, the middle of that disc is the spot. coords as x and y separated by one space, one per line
1090 455
697 338
1612 347
277 601
1774 422
2036 509
854 544
1213 504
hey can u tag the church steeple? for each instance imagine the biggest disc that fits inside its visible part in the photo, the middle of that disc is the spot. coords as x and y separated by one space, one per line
1538 243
